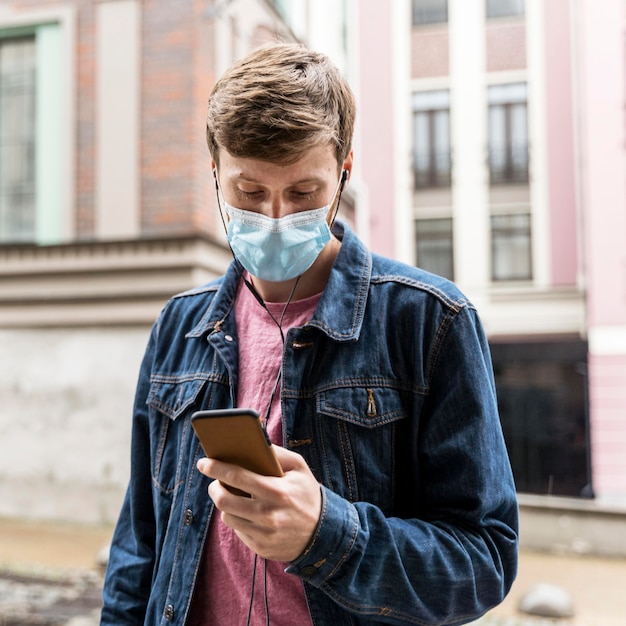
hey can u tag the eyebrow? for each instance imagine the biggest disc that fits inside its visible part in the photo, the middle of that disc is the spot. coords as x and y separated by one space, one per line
304 181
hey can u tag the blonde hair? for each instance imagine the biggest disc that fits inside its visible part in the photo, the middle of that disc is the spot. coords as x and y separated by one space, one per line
277 103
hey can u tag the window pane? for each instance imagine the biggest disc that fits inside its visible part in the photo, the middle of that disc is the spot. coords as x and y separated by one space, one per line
434 246
441 136
430 11
497 142
422 149
511 247
17 139
500 8
519 140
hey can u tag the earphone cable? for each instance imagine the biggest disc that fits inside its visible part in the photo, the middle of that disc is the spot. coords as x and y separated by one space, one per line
252 591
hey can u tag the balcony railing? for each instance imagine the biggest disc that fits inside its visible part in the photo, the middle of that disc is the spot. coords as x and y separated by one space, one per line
433 169
508 165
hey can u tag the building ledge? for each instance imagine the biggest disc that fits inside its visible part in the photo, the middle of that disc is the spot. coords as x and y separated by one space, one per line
596 506
512 310
573 526
103 282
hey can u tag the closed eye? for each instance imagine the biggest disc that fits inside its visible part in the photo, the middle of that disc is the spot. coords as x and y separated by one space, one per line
249 195
303 195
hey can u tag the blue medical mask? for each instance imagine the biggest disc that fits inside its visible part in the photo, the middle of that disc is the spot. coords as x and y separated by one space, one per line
278 249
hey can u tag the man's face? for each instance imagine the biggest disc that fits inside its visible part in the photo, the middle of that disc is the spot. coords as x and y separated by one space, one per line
277 190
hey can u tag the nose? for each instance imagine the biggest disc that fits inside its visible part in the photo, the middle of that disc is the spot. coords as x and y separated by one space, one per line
278 207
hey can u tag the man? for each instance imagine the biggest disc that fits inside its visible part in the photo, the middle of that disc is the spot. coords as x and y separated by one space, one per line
397 504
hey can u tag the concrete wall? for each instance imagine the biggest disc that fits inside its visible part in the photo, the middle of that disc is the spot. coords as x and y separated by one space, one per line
65 418
572 526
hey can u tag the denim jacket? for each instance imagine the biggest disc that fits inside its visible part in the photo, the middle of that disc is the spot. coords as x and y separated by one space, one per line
388 394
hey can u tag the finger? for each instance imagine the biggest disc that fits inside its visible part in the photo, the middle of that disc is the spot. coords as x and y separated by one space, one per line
225 496
288 459
237 479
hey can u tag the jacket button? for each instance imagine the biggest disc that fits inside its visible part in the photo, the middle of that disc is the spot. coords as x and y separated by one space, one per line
168 614
188 517
309 570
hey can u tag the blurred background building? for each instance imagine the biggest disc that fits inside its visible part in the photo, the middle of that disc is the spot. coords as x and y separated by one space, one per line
489 149
518 196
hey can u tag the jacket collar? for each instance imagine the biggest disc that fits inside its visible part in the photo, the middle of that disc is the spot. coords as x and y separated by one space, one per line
340 311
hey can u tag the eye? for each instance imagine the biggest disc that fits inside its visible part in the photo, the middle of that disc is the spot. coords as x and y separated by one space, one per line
303 195
249 195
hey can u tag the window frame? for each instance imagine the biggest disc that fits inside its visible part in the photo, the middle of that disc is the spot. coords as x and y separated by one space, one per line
511 173
18 176
433 176
55 31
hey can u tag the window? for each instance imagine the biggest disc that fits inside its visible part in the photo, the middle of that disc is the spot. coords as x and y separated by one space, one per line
508 134
510 247
431 139
542 399
36 129
502 8
434 246
429 11
17 139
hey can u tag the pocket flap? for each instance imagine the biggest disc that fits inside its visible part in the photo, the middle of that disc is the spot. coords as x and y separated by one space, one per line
172 395
369 407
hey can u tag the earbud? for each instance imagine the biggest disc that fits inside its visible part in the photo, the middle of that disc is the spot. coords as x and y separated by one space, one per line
344 178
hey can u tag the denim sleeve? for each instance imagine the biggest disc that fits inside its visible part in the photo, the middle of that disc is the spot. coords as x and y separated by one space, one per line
131 560
458 557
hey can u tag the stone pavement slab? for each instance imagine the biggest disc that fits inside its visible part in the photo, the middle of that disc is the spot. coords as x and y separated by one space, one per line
34 599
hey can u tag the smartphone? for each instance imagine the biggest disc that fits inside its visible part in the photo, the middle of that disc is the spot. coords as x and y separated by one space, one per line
236 436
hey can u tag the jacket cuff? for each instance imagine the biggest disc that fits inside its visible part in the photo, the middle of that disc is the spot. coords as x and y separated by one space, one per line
331 543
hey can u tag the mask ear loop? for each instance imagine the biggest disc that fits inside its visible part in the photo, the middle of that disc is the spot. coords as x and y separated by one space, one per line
219 206
342 182
240 267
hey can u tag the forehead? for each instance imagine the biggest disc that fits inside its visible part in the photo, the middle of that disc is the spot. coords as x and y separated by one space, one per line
318 163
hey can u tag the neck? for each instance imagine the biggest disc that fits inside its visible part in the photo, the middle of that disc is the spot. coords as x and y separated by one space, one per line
313 281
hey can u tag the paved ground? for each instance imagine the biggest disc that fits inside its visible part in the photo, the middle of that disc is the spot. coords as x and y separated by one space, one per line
49 574
49 577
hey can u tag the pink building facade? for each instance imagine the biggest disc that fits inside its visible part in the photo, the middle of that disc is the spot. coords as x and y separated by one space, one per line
491 149
602 167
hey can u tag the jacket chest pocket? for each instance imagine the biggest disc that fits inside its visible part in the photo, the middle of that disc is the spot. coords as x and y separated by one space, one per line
358 430
171 401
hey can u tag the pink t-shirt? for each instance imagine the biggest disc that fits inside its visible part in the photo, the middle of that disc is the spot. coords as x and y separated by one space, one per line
223 589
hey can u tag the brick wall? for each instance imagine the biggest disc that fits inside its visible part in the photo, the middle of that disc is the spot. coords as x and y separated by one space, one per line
85 119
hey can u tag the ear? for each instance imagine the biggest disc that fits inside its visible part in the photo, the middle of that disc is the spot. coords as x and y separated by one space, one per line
347 164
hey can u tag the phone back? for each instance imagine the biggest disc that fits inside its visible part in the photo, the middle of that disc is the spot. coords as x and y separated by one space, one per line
236 436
